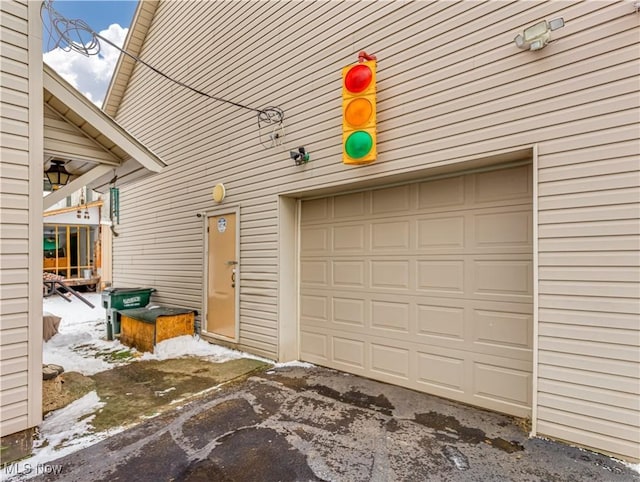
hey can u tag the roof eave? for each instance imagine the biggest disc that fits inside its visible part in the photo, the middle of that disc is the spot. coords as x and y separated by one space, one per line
140 159
140 24
82 106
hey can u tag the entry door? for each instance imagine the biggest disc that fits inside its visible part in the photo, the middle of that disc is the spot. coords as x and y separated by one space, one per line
223 276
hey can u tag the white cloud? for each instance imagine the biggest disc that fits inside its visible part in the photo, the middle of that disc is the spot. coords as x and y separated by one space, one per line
90 75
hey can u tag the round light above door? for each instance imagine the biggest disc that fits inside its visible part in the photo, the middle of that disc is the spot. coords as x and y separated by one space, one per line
219 193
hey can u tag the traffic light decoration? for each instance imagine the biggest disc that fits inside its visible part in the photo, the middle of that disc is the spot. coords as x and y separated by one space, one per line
359 112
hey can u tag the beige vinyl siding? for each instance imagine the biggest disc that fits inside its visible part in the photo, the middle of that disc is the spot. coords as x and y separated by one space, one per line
19 349
452 87
14 210
589 338
64 140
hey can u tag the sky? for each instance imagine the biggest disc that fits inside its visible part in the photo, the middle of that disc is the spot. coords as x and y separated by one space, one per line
90 75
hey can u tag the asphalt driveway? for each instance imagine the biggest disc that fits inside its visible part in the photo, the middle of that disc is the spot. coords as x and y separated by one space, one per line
314 424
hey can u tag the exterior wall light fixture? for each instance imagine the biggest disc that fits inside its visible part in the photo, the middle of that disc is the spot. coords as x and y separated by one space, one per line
57 174
537 36
219 192
300 157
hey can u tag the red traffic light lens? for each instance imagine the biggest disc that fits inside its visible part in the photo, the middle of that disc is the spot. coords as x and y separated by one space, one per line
358 78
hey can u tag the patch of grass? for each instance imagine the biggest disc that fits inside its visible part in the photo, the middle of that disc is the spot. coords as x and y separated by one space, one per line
62 444
118 356
130 391
110 356
42 442
84 346
86 416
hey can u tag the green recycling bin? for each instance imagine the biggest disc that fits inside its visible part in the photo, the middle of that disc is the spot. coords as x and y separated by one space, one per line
114 299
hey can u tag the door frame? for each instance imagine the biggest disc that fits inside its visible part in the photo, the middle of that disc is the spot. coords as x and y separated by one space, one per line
205 270
288 278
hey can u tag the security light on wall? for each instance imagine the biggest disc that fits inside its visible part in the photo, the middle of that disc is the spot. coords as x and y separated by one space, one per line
300 157
537 36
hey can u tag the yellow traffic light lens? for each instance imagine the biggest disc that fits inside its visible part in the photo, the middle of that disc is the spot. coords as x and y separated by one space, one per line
358 112
358 144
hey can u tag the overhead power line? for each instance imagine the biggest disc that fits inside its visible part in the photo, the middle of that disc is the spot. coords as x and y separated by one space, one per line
76 35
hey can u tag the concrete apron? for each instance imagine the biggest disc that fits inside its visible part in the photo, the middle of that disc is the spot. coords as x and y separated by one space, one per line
298 424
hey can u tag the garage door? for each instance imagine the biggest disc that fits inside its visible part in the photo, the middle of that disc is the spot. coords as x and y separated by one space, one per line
425 285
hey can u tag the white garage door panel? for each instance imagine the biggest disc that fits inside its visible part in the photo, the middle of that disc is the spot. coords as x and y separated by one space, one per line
483 327
490 381
505 278
427 285
483 231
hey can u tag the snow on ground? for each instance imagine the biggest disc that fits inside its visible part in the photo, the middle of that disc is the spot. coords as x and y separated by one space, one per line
193 345
68 429
81 345
635 467
61 433
81 337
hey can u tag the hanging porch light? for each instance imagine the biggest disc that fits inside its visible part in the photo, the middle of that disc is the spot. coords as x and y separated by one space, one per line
57 174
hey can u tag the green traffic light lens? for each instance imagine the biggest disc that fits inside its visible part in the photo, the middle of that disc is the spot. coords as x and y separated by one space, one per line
358 144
